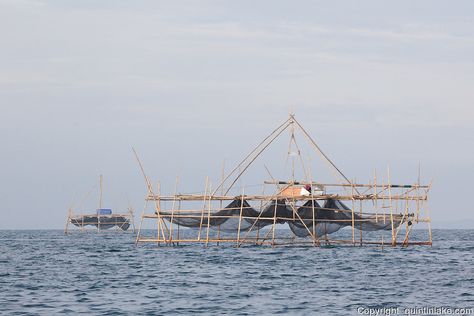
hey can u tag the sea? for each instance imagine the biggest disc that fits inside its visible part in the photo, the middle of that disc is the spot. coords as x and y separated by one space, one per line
44 272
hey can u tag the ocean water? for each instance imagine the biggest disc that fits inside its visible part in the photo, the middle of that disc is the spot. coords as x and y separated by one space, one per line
48 273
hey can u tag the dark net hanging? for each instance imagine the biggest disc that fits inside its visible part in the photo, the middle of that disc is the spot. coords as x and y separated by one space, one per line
328 219
101 222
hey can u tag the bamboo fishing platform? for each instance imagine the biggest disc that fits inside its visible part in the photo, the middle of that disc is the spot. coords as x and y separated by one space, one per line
291 211
103 219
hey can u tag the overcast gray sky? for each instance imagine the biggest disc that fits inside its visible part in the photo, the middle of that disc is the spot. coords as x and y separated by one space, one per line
190 83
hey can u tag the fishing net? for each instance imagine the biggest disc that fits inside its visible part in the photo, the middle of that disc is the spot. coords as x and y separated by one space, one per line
101 222
303 221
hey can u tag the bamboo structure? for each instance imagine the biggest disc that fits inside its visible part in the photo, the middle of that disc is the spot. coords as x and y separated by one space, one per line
291 211
120 221
100 221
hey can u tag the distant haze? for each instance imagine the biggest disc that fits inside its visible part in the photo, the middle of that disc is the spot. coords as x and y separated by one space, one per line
192 83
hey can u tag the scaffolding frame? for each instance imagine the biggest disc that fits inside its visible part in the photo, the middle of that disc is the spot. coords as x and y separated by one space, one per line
406 204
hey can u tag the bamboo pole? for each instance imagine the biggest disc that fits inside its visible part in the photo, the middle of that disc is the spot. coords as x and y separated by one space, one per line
353 216
303 166
254 223
261 208
194 197
375 196
429 217
240 217
141 222
318 149
150 191
394 242
360 222
173 209
98 221
349 221
254 158
203 207
66 229
284 125
355 185
222 193
274 221
418 192
208 218
404 218
179 207
159 219
405 240
132 219
315 236
266 236
100 196
383 201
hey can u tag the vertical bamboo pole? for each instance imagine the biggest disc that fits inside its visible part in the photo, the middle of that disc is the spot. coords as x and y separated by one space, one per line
274 221
66 229
179 208
208 216
383 200
394 242
220 202
160 220
160 228
314 220
352 213
360 231
100 203
375 196
429 216
310 177
141 222
100 192
257 236
240 217
407 227
173 209
418 193
203 207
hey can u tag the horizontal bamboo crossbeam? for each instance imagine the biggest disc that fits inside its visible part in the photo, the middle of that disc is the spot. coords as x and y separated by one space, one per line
197 197
316 209
281 241
356 185
369 219
156 240
400 216
108 216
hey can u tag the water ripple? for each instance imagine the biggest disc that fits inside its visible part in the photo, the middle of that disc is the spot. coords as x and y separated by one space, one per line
45 272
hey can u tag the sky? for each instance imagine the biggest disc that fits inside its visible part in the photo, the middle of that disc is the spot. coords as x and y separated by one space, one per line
190 84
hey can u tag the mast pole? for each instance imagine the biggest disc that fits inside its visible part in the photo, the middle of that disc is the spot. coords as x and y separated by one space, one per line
318 149
100 195
252 156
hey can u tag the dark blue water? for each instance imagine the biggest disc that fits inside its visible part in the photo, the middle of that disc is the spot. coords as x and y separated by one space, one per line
46 272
